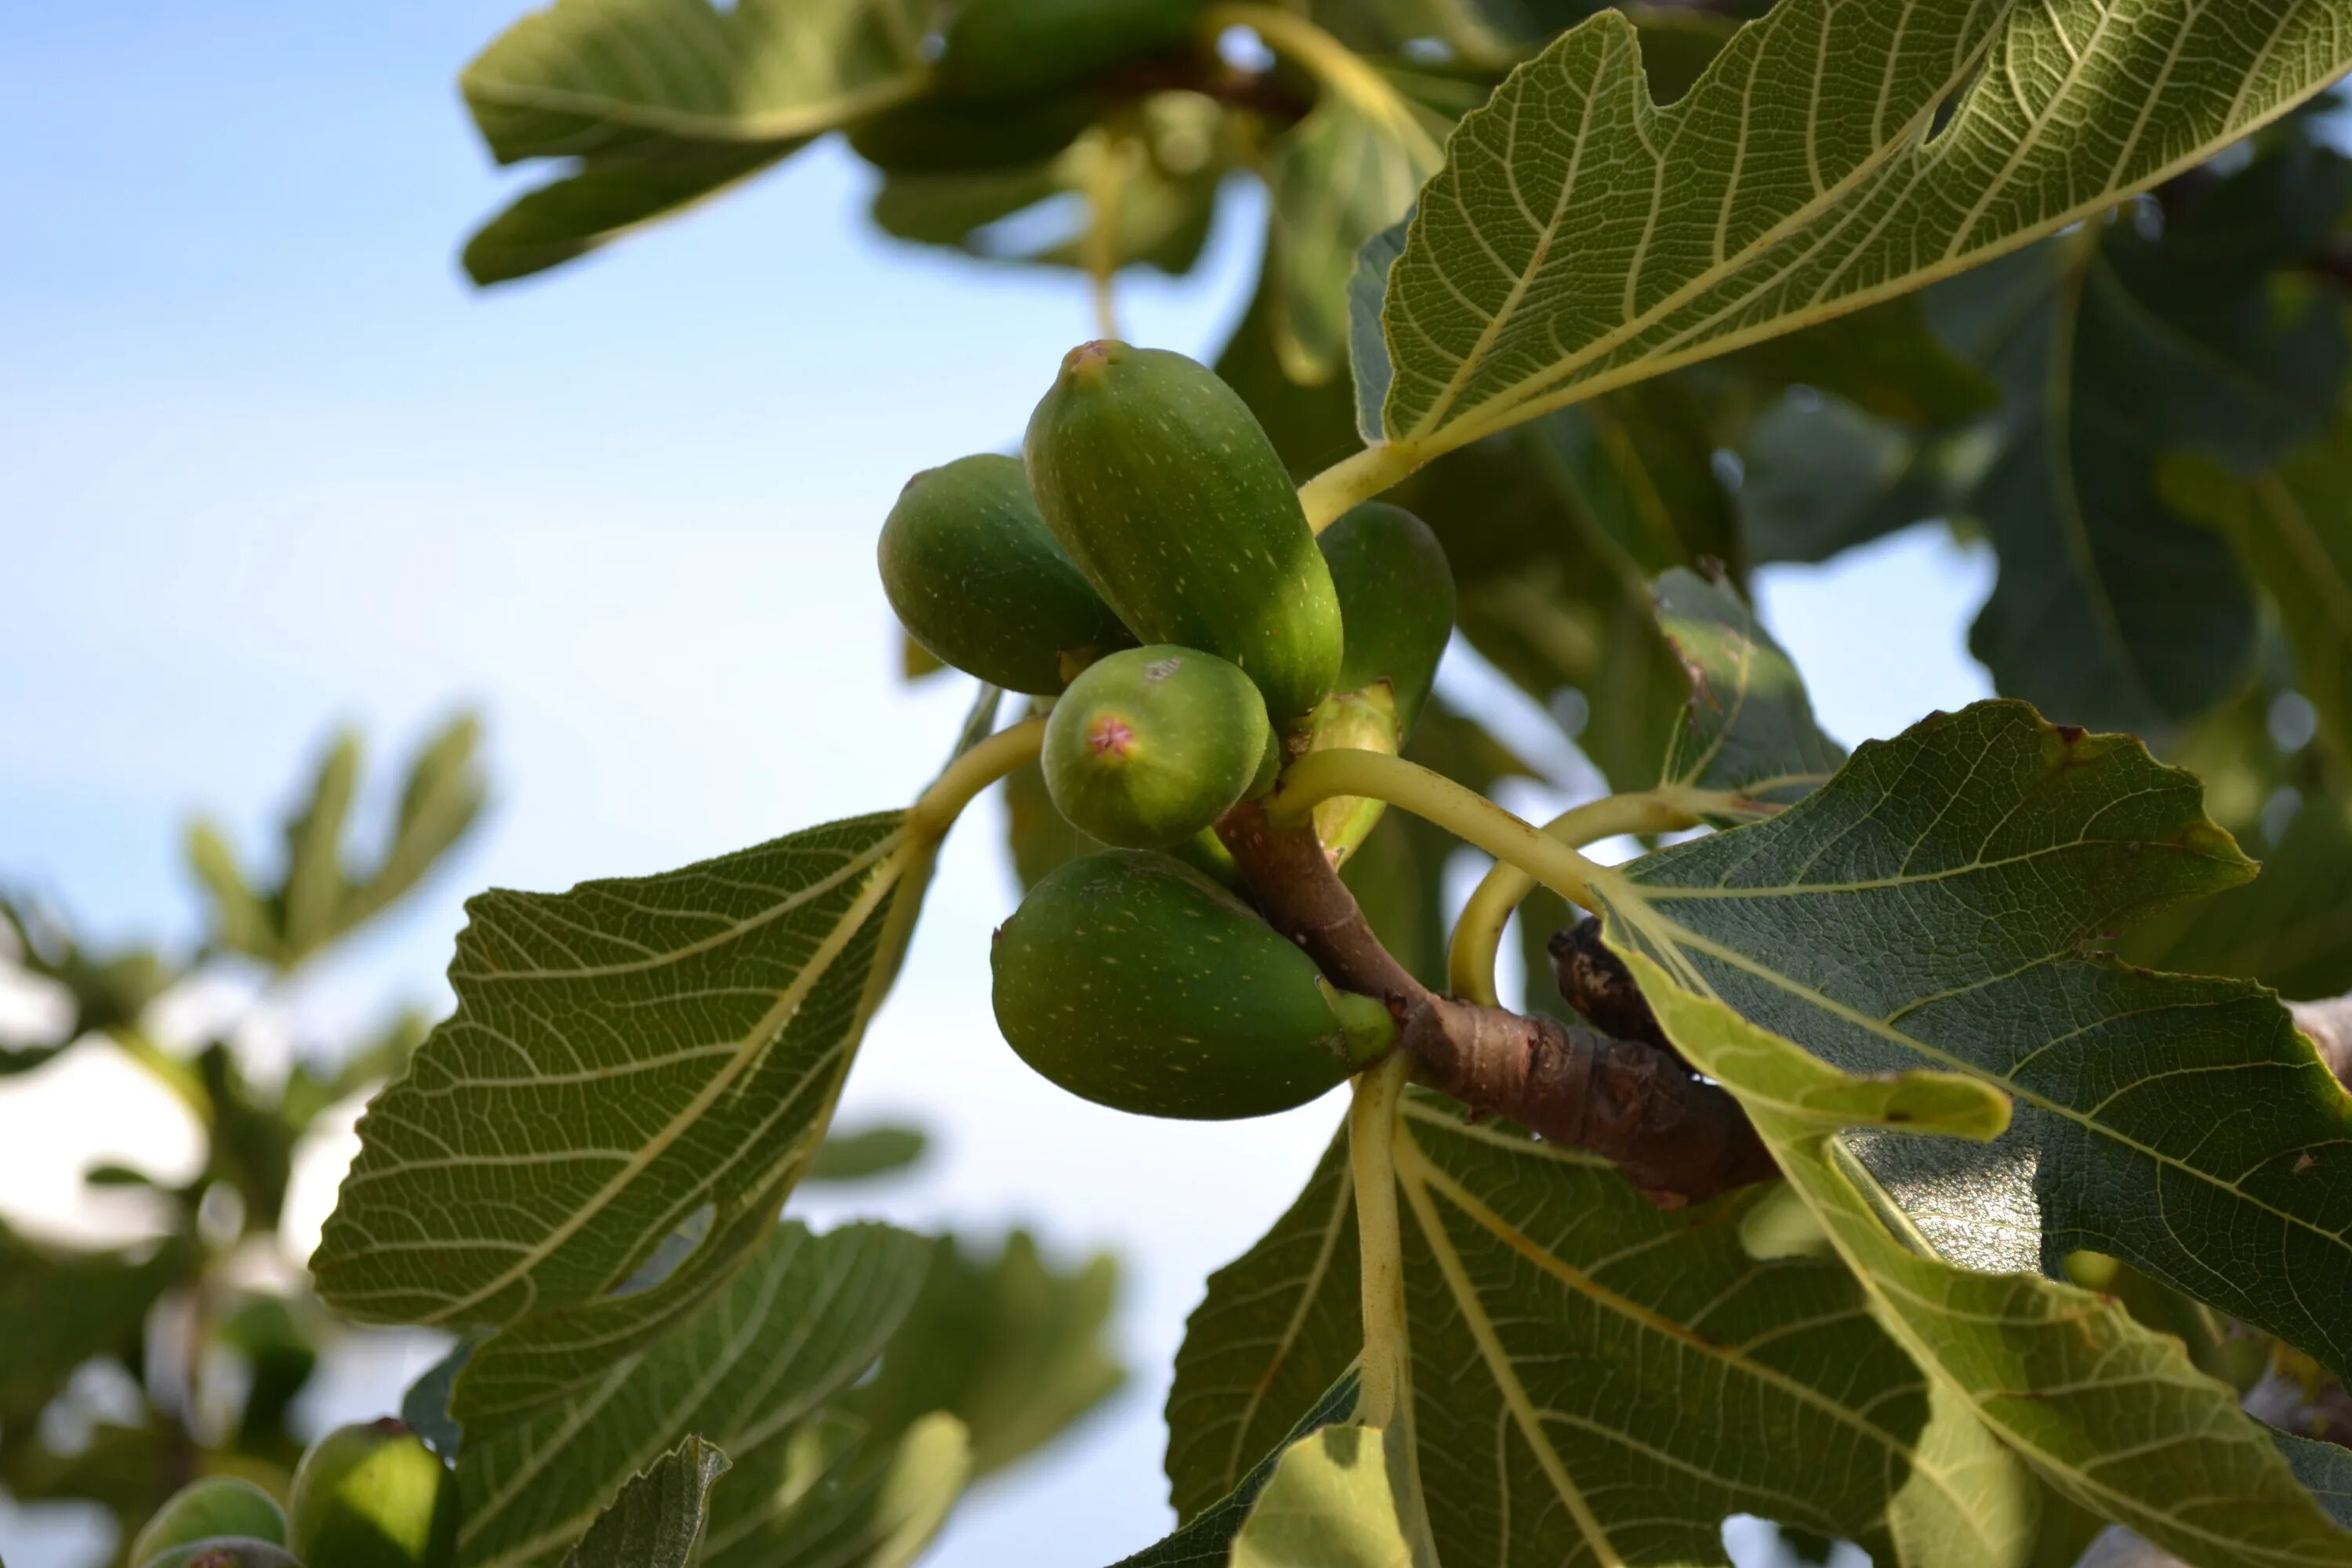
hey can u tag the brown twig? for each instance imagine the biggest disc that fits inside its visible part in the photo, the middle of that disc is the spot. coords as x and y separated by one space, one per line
1678 1139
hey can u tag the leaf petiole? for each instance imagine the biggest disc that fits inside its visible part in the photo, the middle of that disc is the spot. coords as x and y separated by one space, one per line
1372 1163
936 809
1356 479
1465 813
1478 935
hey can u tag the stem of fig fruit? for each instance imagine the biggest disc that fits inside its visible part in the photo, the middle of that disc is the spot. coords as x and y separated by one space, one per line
936 808
1465 813
1478 935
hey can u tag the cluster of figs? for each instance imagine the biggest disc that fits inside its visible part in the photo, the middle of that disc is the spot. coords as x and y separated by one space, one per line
1145 565
365 1495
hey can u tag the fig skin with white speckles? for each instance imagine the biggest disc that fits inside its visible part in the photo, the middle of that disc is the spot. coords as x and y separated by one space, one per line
1135 982
1161 485
1150 745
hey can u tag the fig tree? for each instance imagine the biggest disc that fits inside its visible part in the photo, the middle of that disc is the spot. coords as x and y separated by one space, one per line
1135 982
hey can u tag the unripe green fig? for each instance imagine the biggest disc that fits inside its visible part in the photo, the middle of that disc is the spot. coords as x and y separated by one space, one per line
223 1552
1015 49
214 1505
976 577
374 1496
1150 745
1160 484
1396 602
1137 982
942 135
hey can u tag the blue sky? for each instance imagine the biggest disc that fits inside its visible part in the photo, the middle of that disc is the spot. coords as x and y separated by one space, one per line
268 464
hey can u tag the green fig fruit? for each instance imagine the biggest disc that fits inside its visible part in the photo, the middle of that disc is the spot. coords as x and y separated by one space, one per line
213 1506
374 1496
1150 745
1396 602
223 1552
1160 484
1135 982
1018 49
977 578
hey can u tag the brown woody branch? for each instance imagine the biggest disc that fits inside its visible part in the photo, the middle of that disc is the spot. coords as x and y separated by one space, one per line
1678 1140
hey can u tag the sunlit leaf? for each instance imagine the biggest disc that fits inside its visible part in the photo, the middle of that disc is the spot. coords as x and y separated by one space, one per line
1206 1538
1933 905
1580 236
2111 1413
1342 175
622 1056
1341 1496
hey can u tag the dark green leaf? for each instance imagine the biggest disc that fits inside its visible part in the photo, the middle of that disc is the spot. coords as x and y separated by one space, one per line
1932 906
536 1151
2110 1413
748 1372
658 1521
1747 729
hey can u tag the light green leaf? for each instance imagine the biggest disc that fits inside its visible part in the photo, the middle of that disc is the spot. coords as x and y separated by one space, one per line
1341 1496
1579 237
868 1152
1206 1539
664 101
748 1372
2111 1413
1016 1350
1931 907
1335 179
623 1058
844 1495
657 1520
2293 525
1747 729
314 876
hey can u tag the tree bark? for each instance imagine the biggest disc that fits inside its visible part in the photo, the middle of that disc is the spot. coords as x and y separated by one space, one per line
1678 1139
